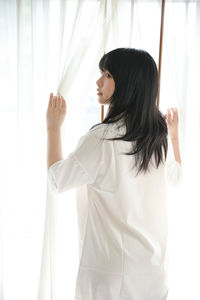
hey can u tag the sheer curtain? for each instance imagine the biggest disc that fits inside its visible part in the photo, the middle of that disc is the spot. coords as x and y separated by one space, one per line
180 87
42 43
48 45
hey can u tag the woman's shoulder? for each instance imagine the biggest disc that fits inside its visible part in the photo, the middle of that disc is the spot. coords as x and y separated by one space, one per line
109 130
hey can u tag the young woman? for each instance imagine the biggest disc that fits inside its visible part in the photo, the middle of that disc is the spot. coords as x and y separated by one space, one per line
120 168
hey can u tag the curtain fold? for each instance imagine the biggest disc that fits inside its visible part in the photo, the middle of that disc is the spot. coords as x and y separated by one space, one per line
76 41
55 46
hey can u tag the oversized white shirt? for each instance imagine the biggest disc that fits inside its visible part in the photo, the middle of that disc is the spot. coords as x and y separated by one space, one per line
122 218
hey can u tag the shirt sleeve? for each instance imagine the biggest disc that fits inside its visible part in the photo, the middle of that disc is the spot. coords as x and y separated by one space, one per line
173 168
80 167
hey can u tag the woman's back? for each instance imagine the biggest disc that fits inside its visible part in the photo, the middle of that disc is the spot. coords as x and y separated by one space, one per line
123 227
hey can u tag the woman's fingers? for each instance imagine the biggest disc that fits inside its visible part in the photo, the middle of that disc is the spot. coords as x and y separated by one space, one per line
172 121
50 100
61 100
175 113
57 101
172 114
50 96
169 116
54 101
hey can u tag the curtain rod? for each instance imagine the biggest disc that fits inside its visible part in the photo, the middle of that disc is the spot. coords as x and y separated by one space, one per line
160 50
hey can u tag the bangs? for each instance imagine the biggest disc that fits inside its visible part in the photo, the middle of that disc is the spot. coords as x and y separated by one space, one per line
104 63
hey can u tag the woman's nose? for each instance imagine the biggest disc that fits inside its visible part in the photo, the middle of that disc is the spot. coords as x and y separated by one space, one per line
98 82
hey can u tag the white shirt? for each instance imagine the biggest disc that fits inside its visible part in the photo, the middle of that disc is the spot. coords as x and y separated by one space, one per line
122 218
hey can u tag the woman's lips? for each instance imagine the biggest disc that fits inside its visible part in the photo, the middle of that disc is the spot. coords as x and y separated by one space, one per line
99 94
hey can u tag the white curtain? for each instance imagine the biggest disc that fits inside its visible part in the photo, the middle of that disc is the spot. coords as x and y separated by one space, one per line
180 87
48 45
42 44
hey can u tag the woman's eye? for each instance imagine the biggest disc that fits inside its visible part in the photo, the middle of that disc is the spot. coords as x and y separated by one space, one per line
107 75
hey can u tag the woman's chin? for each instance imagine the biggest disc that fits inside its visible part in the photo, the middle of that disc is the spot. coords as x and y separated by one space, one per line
102 102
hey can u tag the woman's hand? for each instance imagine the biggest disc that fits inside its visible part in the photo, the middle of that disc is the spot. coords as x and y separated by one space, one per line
171 117
56 112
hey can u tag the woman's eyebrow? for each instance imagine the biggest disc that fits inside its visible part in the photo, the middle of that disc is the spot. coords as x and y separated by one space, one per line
105 71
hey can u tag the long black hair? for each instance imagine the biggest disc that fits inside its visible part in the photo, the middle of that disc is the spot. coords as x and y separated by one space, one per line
134 101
